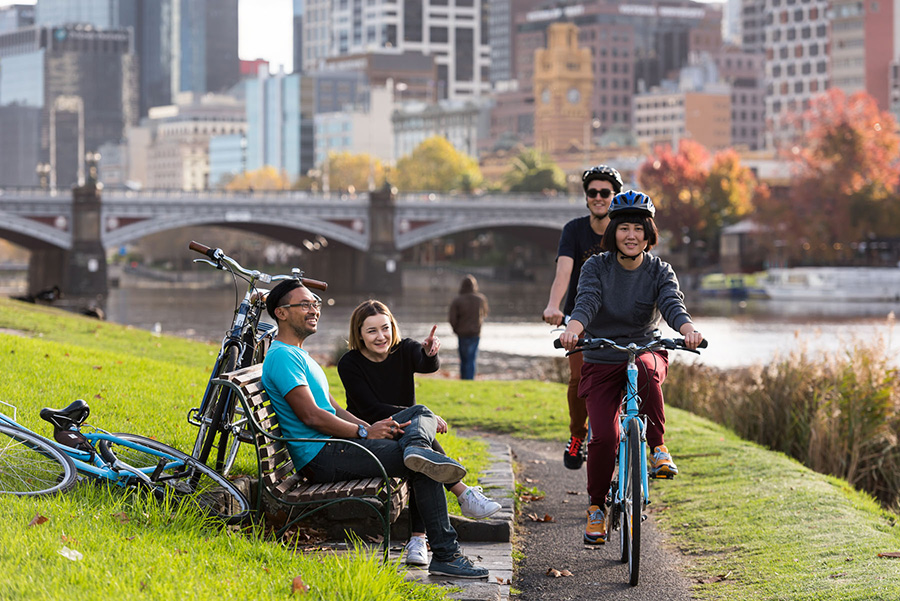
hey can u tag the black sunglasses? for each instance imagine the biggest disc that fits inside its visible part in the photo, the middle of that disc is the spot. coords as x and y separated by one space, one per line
602 192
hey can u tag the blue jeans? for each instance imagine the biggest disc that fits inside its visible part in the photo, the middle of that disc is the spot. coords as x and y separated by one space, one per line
337 462
468 352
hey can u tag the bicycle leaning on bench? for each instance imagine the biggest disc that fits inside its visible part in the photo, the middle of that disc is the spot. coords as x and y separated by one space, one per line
630 491
219 417
31 464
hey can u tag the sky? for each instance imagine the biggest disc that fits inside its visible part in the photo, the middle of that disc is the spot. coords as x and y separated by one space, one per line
265 29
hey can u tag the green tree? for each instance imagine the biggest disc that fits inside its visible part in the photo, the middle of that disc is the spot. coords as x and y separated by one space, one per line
435 165
534 171
845 184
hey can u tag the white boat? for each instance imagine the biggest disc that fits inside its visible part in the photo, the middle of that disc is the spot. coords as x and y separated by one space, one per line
833 283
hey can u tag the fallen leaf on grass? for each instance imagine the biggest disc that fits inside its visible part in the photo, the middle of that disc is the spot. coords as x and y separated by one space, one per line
37 520
70 554
298 587
98 396
534 518
838 575
68 540
554 573
122 517
889 554
98 367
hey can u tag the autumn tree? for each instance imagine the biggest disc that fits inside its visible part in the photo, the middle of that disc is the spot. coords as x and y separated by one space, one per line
435 165
845 180
676 181
357 172
265 178
534 171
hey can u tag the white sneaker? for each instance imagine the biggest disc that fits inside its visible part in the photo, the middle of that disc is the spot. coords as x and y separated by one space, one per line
475 505
417 551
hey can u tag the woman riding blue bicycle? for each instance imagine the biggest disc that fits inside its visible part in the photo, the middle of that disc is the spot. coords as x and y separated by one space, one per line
623 294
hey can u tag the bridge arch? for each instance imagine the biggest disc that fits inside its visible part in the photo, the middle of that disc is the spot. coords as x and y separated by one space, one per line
31 234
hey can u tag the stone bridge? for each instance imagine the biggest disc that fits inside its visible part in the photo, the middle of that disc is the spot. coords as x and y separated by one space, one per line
60 226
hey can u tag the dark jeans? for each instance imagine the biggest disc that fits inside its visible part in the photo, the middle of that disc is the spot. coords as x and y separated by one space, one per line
468 352
344 462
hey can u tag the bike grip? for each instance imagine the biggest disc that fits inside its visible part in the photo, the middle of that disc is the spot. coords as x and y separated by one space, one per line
317 284
703 344
202 249
557 343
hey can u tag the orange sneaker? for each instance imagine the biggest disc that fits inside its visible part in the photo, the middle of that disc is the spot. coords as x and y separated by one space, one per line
595 531
661 464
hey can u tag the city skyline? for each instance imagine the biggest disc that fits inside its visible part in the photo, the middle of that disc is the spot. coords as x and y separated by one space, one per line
265 30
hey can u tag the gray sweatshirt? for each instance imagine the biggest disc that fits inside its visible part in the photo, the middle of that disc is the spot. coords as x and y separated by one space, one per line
626 306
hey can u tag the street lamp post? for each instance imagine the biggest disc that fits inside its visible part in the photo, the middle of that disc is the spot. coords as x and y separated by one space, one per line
92 159
43 172
589 129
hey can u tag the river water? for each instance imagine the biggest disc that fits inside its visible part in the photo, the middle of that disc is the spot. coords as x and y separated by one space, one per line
740 334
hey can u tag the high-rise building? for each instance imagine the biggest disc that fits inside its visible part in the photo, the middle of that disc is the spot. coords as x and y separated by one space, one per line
455 33
865 40
797 61
753 25
280 123
84 82
745 73
501 18
16 16
182 45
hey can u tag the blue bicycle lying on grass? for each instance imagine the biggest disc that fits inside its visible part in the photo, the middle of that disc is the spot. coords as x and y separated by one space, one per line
31 464
629 493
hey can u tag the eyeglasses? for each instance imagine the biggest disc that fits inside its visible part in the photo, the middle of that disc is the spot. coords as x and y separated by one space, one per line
305 305
602 192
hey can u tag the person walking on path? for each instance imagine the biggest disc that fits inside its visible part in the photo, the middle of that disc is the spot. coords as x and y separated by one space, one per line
580 239
467 313
378 376
298 390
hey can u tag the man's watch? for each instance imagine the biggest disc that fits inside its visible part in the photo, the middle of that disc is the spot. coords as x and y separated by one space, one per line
361 430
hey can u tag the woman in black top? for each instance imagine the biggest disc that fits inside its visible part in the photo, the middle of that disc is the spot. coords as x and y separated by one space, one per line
377 373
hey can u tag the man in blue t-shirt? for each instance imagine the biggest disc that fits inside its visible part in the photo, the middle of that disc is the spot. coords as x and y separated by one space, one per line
579 241
298 389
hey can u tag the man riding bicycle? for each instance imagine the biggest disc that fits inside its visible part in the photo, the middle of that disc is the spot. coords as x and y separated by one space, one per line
623 294
580 239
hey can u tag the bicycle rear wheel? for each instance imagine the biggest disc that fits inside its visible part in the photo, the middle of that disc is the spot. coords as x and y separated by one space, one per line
30 466
186 478
218 411
634 501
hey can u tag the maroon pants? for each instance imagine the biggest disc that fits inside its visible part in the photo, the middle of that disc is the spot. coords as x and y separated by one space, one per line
577 411
601 386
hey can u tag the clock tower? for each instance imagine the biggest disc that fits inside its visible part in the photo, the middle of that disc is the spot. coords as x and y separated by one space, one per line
563 84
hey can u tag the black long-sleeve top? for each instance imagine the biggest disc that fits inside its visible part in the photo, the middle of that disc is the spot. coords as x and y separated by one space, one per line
378 390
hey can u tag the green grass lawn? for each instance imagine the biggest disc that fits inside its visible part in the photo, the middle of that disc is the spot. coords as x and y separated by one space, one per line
752 523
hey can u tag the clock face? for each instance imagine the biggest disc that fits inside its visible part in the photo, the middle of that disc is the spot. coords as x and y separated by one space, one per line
574 95
545 96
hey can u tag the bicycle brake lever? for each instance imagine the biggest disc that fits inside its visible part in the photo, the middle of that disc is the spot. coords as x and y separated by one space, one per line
208 262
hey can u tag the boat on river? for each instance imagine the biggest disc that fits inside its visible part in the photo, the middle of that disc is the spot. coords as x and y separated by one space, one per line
856 284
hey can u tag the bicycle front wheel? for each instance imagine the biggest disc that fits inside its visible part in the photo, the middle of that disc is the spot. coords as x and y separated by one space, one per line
634 501
218 411
184 477
30 466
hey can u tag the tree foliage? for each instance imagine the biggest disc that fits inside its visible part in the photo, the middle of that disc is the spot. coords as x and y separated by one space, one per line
534 171
265 178
697 195
845 180
354 172
435 165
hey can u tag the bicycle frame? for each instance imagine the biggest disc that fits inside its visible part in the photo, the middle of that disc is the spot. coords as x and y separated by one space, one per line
93 464
631 403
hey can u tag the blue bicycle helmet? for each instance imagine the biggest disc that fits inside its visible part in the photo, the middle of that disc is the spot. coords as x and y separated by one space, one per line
604 173
632 202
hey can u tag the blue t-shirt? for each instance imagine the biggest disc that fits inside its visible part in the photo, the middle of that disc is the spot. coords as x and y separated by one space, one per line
285 368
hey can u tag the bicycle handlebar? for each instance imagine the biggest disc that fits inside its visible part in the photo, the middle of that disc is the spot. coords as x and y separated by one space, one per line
218 256
590 344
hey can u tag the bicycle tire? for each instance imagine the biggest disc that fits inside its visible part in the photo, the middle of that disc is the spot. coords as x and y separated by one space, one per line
31 466
616 516
215 414
633 500
214 494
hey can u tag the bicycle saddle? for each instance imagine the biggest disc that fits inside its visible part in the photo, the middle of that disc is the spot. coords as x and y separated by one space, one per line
65 419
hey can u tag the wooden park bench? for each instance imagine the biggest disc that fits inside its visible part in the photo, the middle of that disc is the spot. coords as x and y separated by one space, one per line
279 481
